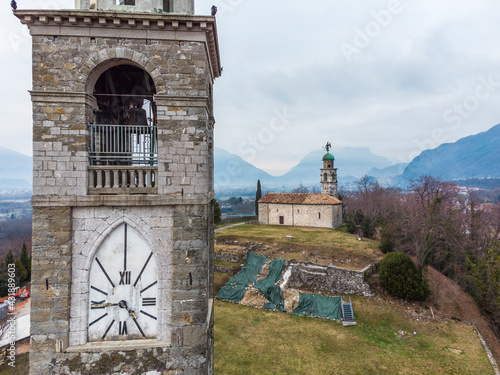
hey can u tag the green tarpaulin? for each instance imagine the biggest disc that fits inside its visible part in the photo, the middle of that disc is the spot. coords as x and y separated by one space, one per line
269 290
275 298
236 287
318 305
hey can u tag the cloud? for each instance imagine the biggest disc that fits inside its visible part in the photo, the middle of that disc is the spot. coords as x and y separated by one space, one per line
391 95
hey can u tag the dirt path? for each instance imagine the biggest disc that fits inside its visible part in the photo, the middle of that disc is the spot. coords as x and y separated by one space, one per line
454 302
228 226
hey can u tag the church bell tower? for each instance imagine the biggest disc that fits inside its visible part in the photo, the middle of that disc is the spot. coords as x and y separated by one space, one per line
329 174
122 267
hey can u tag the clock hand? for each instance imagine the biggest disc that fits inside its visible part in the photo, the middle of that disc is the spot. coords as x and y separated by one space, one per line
123 304
105 304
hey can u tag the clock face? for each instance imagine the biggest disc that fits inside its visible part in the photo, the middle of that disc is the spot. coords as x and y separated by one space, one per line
123 288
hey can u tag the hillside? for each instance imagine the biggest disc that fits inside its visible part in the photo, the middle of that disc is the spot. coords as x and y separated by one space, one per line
391 336
476 156
250 341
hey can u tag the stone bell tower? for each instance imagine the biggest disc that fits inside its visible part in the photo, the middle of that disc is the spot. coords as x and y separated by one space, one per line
329 174
122 188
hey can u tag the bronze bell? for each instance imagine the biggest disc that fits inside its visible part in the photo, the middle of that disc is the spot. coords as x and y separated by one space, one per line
136 116
103 117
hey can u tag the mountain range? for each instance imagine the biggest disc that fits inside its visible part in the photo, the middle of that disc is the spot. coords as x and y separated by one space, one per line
352 163
15 169
476 156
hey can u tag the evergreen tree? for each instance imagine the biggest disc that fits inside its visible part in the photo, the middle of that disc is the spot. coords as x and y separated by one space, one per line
217 212
9 258
21 273
400 277
258 195
25 259
4 286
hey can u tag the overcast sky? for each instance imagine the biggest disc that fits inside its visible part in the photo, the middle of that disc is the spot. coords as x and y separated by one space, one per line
395 76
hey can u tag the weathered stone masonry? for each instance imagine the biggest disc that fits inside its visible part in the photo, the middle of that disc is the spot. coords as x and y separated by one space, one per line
71 49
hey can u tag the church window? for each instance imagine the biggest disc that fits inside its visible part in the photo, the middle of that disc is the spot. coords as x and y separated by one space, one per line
166 5
319 215
325 177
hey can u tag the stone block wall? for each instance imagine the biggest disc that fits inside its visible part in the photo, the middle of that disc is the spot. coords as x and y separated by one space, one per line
329 279
50 283
320 216
62 110
59 306
59 144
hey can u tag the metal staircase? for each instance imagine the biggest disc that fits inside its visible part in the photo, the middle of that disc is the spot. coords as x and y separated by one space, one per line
347 313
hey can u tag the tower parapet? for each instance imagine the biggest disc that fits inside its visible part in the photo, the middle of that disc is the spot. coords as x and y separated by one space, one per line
143 6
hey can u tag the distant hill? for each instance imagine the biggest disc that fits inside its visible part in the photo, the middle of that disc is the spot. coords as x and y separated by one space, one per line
476 156
392 171
232 170
386 176
351 163
16 169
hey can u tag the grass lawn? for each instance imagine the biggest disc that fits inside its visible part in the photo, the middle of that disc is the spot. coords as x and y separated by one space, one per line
250 341
318 245
236 221
22 366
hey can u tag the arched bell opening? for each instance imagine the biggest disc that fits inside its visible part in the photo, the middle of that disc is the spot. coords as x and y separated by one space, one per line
124 131
125 118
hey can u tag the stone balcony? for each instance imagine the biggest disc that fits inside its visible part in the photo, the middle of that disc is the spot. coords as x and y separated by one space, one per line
123 159
121 179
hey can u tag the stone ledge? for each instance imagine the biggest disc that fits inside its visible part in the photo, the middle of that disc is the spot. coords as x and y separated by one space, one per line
113 346
121 200
61 97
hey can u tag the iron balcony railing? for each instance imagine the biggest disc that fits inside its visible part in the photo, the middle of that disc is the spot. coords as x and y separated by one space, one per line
123 145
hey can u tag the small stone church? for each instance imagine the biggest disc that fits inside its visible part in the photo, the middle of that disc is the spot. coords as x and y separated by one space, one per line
303 209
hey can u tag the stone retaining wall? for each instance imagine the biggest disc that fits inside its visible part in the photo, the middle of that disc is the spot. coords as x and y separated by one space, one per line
229 257
226 270
329 279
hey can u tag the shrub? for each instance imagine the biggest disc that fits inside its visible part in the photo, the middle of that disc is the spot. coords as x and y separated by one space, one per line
400 277
386 245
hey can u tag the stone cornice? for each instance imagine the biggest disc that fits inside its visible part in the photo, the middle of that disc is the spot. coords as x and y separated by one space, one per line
120 200
75 97
61 97
182 101
180 26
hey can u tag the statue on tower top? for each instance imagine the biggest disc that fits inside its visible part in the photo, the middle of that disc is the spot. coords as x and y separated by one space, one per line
328 147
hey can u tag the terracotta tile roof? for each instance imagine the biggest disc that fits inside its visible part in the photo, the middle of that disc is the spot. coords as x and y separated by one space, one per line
299 198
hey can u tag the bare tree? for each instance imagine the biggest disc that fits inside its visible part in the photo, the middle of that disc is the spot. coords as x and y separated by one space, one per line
301 189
